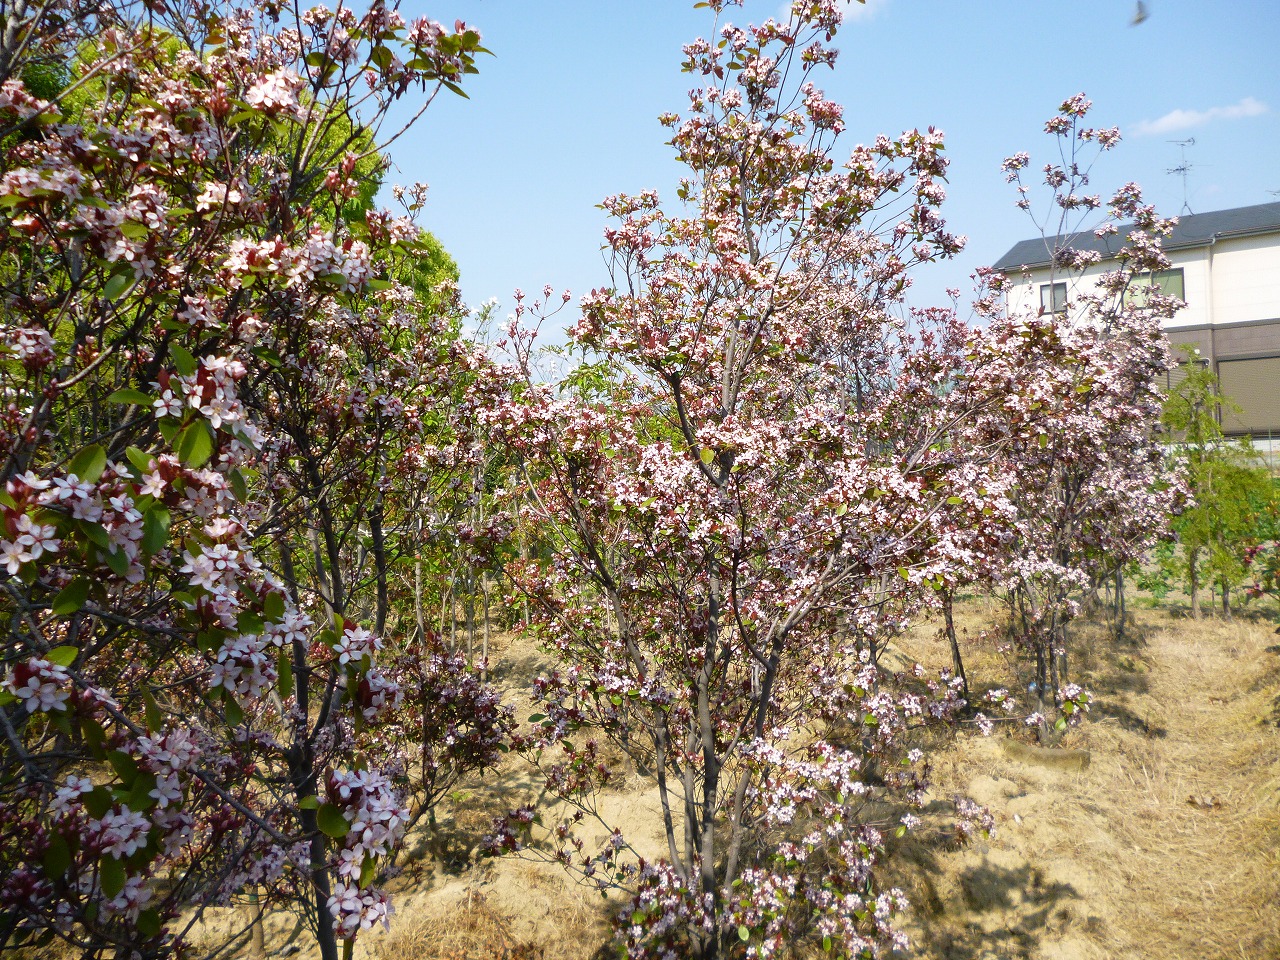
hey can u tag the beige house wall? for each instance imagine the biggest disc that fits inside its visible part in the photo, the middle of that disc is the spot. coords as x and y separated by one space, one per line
1232 316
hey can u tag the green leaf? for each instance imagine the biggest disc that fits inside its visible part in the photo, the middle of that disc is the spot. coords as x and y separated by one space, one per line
155 716
743 933
118 561
1061 724
140 459
140 798
148 924
6 698
309 803
183 360
368 871
706 455
268 355
331 821
96 534
111 876
842 509
134 230
98 801
93 733
273 606
63 656
155 530
955 501
249 622
129 396
117 285
125 766
89 463
234 712
537 718
284 674
238 486
377 284
57 856
195 445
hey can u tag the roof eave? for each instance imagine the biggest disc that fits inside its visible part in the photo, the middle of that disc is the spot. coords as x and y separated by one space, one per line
1185 245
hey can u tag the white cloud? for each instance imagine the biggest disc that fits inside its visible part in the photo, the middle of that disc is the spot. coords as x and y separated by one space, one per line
854 11
1177 120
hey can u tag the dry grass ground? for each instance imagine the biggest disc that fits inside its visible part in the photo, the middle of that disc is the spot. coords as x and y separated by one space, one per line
1167 845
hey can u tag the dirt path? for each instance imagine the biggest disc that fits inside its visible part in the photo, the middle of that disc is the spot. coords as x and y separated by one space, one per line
1166 846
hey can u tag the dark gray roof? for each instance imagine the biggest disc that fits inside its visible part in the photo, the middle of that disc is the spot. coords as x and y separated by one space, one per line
1193 230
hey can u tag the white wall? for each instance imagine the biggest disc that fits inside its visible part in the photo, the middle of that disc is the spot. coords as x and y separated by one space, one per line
1246 279
1245 283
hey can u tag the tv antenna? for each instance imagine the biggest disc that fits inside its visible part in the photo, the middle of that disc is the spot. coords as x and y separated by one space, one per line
1183 168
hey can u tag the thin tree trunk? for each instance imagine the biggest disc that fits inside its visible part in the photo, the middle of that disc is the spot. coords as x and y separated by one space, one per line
418 616
381 573
484 643
257 943
469 607
1055 677
524 597
1120 604
1193 578
302 775
1042 682
956 658
453 618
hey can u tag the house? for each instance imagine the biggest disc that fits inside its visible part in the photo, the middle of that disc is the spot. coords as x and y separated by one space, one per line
1225 265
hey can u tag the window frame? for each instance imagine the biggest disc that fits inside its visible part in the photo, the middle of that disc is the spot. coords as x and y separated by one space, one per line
1136 295
1053 288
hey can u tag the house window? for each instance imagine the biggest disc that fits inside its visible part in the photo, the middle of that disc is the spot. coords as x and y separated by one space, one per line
1053 297
1251 385
1167 283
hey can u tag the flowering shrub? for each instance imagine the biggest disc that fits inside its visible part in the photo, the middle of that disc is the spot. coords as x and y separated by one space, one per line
215 382
1082 453
775 474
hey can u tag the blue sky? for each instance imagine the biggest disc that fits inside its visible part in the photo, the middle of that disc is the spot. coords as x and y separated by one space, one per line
565 114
